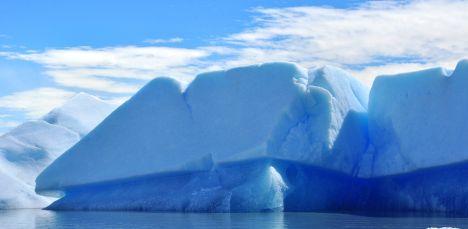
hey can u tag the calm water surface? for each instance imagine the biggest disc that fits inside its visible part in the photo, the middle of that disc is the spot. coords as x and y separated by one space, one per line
51 219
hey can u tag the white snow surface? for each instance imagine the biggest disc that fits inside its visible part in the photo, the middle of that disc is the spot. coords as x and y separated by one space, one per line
81 114
273 110
27 149
417 120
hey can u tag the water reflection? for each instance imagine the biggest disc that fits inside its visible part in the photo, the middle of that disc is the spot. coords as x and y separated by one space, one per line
50 219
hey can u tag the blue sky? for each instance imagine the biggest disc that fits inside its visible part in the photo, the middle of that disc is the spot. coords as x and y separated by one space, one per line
41 24
50 50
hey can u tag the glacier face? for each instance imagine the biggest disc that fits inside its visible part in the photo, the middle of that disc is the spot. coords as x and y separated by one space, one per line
27 149
275 110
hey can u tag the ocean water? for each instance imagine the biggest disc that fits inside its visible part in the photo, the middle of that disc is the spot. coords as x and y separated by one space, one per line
34 218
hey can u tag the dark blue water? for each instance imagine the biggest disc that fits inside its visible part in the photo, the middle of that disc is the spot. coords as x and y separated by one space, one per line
51 219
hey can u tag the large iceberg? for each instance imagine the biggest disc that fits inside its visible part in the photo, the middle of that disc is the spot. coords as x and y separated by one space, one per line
275 137
27 149
192 150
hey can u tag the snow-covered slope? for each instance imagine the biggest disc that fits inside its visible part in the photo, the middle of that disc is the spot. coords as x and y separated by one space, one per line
27 149
80 114
418 120
275 111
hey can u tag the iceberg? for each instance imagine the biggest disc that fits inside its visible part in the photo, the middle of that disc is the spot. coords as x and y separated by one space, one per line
223 144
275 137
27 149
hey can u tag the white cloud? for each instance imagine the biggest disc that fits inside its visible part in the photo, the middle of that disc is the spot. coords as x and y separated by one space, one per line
126 57
103 69
377 33
37 102
74 78
159 41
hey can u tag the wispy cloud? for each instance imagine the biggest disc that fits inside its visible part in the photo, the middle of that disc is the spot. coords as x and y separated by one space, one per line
105 69
37 102
160 41
375 33
79 79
